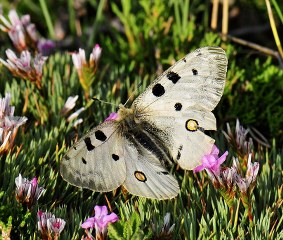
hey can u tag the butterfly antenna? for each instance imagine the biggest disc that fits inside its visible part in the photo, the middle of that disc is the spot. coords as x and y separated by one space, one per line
96 99
139 85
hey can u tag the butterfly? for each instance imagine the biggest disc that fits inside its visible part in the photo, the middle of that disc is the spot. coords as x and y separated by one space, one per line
165 125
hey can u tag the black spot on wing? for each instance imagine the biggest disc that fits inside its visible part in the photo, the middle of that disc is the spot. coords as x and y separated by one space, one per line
99 135
115 157
163 172
158 90
84 161
179 152
195 72
174 77
179 155
178 106
184 60
88 144
198 52
67 157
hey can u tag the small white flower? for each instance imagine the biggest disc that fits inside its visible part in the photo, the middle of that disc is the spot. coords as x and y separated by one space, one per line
49 225
163 231
38 62
96 53
69 105
228 176
77 122
86 70
31 30
20 30
14 18
25 20
11 55
166 226
8 123
79 59
5 108
55 225
252 170
42 220
75 114
4 139
27 192
251 174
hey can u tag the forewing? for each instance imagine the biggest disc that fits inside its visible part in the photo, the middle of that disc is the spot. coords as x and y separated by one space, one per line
97 160
197 81
180 101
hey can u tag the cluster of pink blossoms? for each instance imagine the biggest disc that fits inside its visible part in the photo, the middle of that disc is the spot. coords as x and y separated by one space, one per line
9 124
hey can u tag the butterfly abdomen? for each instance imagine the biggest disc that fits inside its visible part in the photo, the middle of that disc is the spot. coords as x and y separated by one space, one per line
146 137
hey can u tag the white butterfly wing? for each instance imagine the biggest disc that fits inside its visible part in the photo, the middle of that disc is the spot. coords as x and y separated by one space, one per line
197 80
180 101
97 160
103 160
146 176
166 123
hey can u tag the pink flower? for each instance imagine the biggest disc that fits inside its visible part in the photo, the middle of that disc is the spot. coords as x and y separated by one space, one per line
27 192
55 225
100 220
165 231
69 104
49 226
45 46
95 55
249 181
86 69
42 220
240 141
75 114
25 66
112 116
20 30
9 124
212 162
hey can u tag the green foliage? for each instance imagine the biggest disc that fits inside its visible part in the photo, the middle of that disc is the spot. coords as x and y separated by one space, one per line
127 229
246 91
147 38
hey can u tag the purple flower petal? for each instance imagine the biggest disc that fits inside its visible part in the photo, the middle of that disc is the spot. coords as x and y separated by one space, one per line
199 168
101 220
215 150
112 116
34 182
89 223
222 158
27 192
212 162
105 220
100 211
111 218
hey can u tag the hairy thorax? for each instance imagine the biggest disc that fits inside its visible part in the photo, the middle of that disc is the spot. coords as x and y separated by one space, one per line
126 117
